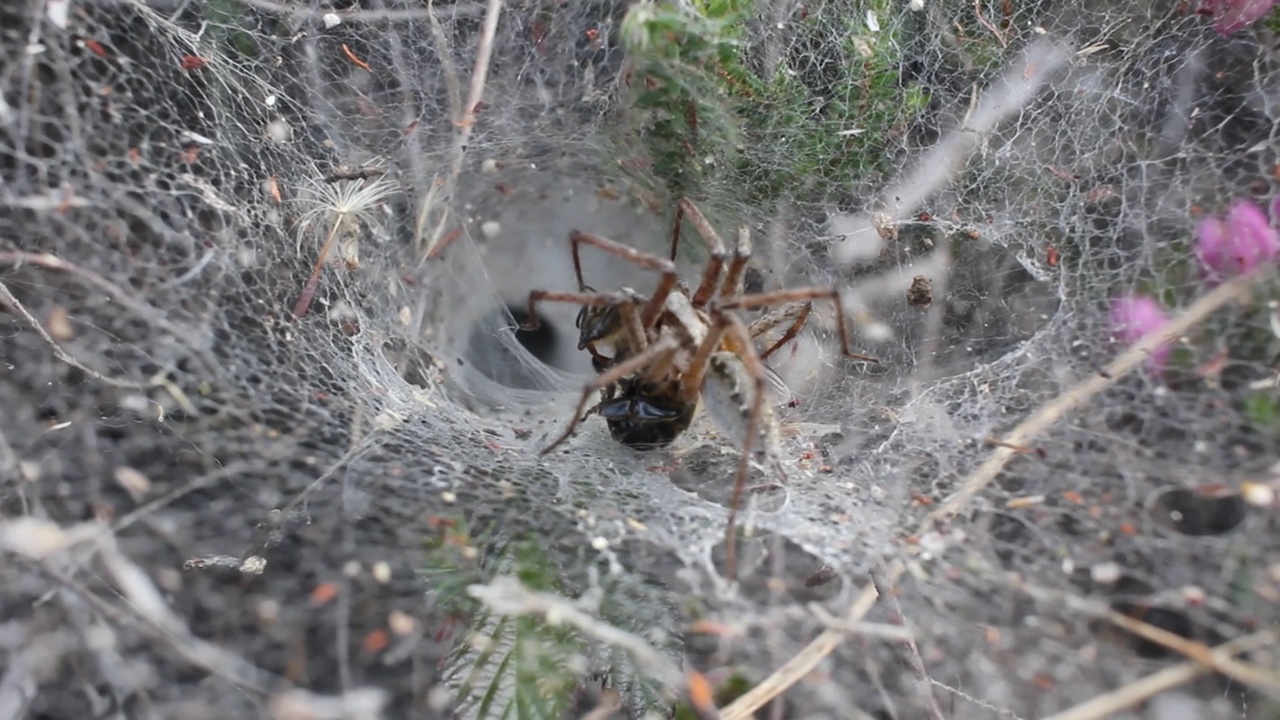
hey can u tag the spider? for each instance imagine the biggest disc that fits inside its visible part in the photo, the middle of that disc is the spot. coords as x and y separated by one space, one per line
673 349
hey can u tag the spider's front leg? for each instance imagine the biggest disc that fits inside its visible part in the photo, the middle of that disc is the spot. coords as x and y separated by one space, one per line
732 385
729 393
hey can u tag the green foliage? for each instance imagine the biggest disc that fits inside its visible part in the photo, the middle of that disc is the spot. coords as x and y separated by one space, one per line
1263 411
227 28
730 690
707 112
515 667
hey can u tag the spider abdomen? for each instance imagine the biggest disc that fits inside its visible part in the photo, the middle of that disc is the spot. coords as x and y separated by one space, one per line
728 390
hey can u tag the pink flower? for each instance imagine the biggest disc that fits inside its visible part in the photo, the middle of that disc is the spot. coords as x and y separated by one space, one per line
1232 16
1237 244
1133 317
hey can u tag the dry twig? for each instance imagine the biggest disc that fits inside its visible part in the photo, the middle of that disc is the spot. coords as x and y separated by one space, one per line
508 596
1104 706
9 298
1267 682
807 659
1028 430
19 258
914 661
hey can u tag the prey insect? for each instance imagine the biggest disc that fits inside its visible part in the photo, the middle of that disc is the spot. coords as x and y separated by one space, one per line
676 349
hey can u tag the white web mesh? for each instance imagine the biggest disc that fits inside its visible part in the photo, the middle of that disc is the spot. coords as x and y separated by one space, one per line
321 478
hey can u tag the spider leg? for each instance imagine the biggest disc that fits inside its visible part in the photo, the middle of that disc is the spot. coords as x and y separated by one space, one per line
799 317
813 293
580 298
631 365
737 264
711 273
728 370
652 310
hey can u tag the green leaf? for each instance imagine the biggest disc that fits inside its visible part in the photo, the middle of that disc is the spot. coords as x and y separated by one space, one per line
1263 411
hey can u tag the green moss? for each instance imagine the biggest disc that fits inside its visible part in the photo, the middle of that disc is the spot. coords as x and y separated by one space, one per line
1263 411
731 689
704 112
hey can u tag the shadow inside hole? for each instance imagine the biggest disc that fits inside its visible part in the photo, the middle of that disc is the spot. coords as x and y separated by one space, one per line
497 361
1199 512
541 342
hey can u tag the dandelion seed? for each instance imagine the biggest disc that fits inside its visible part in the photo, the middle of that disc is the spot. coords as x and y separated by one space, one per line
1236 244
344 207
1133 317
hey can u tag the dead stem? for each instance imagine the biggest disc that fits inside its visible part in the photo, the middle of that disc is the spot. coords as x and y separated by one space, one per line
1265 681
63 355
464 116
309 290
1028 430
912 652
807 659
1104 706
47 261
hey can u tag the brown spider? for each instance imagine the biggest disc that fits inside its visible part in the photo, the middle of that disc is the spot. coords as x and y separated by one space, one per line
673 350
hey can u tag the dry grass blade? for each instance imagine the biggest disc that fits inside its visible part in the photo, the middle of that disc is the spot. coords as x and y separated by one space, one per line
808 658
1025 433
1267 682
1104 706
508 596
912 655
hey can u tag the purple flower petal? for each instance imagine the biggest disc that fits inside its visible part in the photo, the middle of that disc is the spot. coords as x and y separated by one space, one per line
1238 244
1232 16
1136 316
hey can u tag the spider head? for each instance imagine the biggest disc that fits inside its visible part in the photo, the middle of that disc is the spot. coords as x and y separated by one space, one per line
596 324
604 323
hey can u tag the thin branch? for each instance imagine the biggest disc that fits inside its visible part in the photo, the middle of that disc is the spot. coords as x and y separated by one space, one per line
977 10
19 258
881 631
479 75
464 115
1028 430
913 655
63 355
368 17
807 659
1104 706
1267 682
508 596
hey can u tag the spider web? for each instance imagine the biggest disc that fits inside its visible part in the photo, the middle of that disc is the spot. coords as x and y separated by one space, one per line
232 492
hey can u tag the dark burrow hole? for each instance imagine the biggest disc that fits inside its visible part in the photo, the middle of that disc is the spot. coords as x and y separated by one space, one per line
497 362
542 342
1199 512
